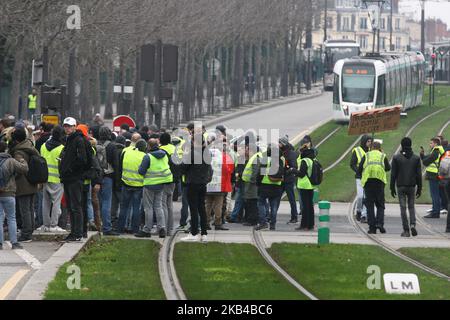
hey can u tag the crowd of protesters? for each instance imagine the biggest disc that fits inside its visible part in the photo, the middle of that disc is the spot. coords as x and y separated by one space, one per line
126 182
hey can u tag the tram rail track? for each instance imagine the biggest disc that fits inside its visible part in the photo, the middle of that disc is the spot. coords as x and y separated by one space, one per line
260 245
169 280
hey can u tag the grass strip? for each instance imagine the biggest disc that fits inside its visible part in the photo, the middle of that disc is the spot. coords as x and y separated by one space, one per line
220 271
339 271
113 269
436 258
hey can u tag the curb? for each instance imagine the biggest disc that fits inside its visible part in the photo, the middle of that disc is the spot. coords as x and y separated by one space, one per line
36 286
247 109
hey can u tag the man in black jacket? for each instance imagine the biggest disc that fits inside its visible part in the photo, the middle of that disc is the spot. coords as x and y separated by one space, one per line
196 166
75 162
406 174
290 158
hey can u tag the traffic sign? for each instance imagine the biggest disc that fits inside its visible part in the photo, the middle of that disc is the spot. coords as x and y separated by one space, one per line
119 120
377 120
52 119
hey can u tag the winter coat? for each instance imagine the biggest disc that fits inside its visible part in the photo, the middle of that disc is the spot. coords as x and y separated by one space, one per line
251 188
406 170
269 190
223 167
197 173
76 158
23 150
146 162
290 157
354 159
13 168
117 165
427 160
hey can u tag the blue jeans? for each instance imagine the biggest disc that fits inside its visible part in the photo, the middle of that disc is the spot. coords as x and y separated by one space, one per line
90 209
289 188
8 209
131 198
274 203
435 196
105 197
238 203
184 205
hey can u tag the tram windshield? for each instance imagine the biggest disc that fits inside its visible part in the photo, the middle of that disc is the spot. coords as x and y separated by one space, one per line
358 83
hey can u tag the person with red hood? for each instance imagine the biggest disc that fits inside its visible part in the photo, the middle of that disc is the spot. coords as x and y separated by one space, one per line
216 191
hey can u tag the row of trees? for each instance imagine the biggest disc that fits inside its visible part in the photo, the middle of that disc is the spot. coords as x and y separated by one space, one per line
259 37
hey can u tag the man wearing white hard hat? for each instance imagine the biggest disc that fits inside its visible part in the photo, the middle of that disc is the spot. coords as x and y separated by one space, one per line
76 158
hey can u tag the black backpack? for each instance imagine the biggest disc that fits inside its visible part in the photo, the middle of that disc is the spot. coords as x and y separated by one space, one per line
316 173
37 169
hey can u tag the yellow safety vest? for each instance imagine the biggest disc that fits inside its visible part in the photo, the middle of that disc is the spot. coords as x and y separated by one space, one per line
52 162
434 167
374 167
360 153
32 102
159 171
248 170
127 149
130 168
169 148
266 179
305 183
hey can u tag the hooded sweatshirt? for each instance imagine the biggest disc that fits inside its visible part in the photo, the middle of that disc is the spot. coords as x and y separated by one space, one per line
76 158
23 150
354 159
145 166
406 170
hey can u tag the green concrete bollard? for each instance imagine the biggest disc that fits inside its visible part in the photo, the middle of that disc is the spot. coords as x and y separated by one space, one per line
324 219
316 196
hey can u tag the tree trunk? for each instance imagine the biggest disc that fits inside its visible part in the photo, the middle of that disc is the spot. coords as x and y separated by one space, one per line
285 67
266 70
121 98
236 79
258 54
109 89
15 90
138 106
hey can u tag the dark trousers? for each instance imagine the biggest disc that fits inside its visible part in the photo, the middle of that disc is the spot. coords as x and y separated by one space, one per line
406 195
84 199
115 204
251 211
289 188
25 211
374 196
184 205
73 191
196 198
308 208
443 196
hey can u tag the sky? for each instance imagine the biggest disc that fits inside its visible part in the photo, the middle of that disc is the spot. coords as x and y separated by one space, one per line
433 9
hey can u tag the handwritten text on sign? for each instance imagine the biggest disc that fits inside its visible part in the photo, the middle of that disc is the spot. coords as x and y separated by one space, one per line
378 120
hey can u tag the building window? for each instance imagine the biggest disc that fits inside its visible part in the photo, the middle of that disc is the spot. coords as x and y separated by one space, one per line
330 22
363 42
398 43
397 24
346 23
363 23
383 43
345 37
383 24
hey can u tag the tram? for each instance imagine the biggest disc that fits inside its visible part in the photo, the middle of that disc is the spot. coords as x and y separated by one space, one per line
376 81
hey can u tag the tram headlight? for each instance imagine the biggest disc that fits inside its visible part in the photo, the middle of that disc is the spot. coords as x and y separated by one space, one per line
345 109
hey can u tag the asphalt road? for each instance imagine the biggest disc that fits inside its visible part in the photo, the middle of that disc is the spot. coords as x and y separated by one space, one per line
290 119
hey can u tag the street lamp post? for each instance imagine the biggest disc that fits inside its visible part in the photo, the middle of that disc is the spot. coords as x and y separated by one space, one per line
422 28
391 45
325 26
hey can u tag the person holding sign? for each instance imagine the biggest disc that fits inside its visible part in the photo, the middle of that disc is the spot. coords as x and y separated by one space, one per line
373 168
